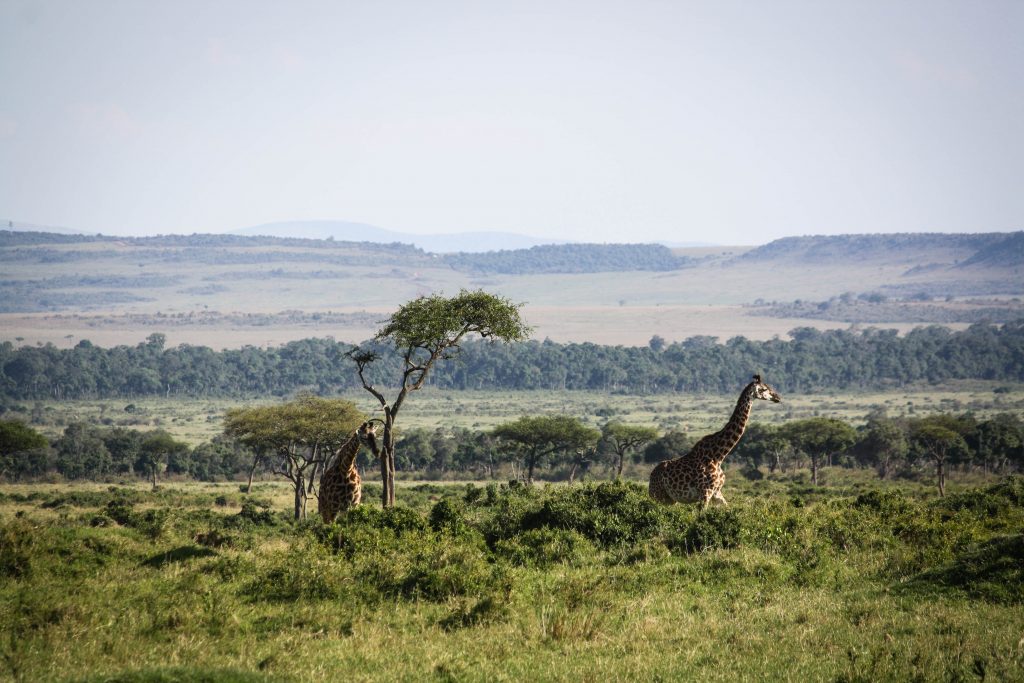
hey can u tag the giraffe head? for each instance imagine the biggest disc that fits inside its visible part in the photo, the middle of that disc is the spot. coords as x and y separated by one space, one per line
367 434
764 392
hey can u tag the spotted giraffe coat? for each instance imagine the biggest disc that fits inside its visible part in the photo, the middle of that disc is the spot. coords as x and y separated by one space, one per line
697 477
340 486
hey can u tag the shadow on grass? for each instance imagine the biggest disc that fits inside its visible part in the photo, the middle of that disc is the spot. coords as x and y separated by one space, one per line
992 571
185 552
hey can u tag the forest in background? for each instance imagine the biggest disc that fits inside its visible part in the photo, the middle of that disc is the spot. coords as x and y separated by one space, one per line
810 361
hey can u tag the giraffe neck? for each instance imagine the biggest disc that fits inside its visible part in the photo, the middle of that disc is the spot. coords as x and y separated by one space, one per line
727 438
346 455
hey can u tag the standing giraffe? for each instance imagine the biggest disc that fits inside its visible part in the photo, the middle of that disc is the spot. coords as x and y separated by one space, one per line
697 476
340 485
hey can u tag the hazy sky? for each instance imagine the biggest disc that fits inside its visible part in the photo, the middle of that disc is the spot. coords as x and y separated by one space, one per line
727 122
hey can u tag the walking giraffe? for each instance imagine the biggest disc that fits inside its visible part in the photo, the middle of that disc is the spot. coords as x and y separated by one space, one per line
697 476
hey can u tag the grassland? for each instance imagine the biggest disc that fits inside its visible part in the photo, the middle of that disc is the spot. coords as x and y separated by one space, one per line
794 583
165 290
197 420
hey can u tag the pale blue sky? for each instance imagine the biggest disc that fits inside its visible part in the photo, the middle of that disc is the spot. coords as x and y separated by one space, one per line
726 122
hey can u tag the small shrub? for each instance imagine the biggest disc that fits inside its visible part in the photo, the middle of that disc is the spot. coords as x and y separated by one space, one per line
991 571
713 528
256 513
544 548
16 541
608 514
121 511
447 517
152 523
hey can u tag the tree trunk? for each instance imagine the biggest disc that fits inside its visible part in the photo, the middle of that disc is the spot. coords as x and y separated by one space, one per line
529 472
572 472
300 490
941 467
618 472
814 470
252 471
387 461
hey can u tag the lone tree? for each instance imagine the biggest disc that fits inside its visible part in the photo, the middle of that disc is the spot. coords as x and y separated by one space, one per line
298 437
424 331
819 437
536 438
625 439
938 442
154 452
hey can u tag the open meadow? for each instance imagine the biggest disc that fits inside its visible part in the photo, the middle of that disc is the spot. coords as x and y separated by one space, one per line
195 420
855 581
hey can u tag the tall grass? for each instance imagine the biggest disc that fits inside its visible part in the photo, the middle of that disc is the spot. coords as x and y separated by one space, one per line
512 583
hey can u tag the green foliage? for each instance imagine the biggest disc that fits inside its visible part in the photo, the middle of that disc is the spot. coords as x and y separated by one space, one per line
570 258
511 578
435 322
16 551
992 571
608 514
253 512
714 528
810 361
545 547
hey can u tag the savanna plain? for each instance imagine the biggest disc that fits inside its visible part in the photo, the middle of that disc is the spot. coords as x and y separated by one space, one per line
855 580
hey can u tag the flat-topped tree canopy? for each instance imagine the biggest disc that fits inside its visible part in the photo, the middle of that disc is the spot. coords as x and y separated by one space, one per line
434 323
427 329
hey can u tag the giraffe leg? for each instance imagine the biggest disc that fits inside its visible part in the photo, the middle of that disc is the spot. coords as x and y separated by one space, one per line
718 498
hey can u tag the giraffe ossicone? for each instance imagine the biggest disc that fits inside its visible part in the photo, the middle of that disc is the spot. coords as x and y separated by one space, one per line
697 477
340 485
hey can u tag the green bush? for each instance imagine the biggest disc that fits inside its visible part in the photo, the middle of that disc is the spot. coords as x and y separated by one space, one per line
543 548
991 571
256 513
608 514
16 548
715 527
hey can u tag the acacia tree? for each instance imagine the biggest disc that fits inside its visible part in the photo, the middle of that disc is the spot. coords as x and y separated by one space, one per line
765 443
882 441
536 438
819 437
154 451
940 444
625 439
299 437
424 331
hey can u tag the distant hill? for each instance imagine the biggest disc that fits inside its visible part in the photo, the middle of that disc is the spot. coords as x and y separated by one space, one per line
921 249
1004 252
570 258
362 232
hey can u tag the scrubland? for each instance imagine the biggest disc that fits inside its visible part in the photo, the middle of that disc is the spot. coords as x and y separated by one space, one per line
856 581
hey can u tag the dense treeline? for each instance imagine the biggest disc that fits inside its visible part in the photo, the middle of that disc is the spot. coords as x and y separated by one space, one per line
810 361
569 258
903 447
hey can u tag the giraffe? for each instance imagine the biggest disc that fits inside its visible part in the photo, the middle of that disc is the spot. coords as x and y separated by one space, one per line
697 476
340 485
